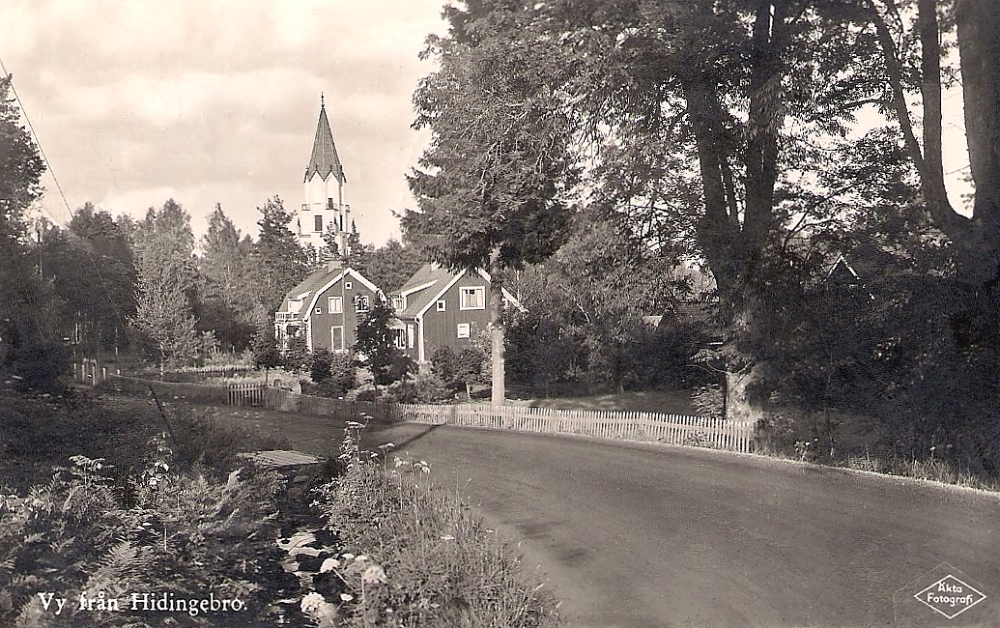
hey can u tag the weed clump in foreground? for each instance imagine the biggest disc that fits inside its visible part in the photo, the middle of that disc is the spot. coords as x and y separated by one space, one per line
429 560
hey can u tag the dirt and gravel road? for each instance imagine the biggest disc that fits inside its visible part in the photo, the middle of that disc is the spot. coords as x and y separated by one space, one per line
635 536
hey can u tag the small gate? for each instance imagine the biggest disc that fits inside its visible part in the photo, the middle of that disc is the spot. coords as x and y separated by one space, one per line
248 394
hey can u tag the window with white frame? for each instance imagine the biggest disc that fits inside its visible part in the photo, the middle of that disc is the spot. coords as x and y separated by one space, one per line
319 310
464 330
397 304
362 303
399 338
441 306
337 338
318 223
348 285
335 305
472 298
411 336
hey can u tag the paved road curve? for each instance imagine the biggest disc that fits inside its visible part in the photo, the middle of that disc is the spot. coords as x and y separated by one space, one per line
635 536
650 536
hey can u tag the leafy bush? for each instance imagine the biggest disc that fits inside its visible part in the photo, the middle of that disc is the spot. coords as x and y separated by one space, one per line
342 372
319 366
424 387
417 557
182 533
39 366
296 356
709 401
444 364
264 349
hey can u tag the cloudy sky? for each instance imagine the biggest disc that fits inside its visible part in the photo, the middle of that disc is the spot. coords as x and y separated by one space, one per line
211 101
216 101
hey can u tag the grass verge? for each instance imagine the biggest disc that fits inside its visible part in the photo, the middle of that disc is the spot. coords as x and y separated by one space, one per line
416 556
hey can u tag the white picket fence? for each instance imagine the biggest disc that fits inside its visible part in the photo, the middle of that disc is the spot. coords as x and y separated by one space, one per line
634 426
91 372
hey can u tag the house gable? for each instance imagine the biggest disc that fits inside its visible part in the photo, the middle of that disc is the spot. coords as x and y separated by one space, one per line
337 330
433 309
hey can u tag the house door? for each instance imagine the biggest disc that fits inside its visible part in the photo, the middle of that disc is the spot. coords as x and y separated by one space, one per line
337 338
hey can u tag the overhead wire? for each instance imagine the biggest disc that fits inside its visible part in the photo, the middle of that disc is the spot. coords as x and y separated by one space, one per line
122 319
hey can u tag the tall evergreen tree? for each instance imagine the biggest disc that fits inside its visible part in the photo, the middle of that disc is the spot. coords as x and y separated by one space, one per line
493 185
29 341
278 260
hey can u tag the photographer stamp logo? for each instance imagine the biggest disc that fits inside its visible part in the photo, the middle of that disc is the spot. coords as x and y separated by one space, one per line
950 596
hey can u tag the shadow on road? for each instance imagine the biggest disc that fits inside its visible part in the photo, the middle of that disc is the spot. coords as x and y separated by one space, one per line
379 433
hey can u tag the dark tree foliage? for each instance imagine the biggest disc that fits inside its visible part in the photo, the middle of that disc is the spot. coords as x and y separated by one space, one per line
492 187
31 354
586 307
444 364
227 298
375 347
21 169
278 261
320 365
92 269
265 349
388 266
296 355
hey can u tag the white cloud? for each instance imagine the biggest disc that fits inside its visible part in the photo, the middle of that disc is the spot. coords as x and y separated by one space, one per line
213 101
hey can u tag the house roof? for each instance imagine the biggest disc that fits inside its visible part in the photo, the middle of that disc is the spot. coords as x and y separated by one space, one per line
684 313
424 287
840 265
429 283
310 288
305 288
324 160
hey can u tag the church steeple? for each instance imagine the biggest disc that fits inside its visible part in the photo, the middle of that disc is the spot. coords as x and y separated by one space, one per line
325 210
324 160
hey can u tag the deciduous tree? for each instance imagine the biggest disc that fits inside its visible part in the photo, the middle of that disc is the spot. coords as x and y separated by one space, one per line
167 275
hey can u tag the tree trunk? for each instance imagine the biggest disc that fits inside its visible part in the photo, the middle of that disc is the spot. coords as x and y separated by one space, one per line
978 24
928 161
930 90
763 124
497 329
717 227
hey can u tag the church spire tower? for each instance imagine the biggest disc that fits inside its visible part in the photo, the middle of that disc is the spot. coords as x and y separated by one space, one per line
324 208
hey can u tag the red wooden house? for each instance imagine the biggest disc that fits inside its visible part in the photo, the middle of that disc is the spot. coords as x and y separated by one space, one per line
440 308
324 307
